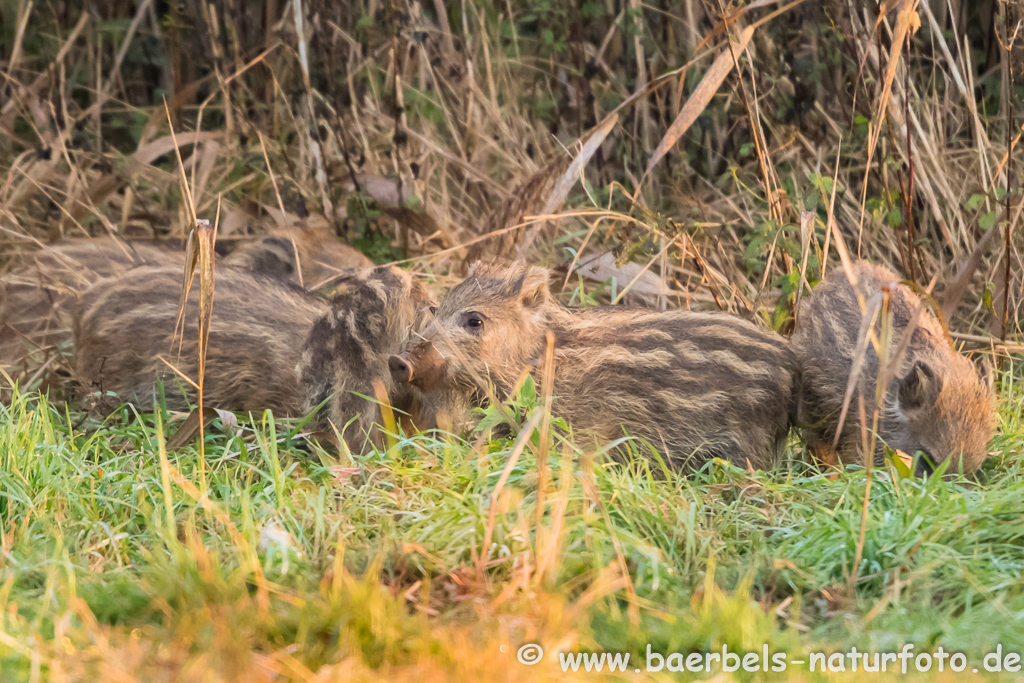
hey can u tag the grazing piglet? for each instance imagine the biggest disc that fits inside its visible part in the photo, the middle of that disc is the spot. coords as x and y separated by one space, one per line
36 290
37 287
124 327
347 350
937 403
693 385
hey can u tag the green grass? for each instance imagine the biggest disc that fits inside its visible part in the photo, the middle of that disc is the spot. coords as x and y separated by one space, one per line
277 561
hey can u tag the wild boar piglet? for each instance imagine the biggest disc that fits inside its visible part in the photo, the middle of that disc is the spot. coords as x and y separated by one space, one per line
38 287
938 404
372 315
124 339
693 385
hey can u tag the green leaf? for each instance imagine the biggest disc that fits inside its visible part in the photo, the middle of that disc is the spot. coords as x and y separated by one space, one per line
895 217
528 395
988 220
898 464
975 202
591 10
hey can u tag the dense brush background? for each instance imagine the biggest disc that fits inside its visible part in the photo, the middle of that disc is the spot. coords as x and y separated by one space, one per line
431 132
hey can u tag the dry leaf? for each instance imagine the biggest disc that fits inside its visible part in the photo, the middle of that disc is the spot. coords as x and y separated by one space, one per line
342 475
543 193
701 96
907 460
206 239
568 179
381 189
915 22
188 430
904 21
145 154
604 268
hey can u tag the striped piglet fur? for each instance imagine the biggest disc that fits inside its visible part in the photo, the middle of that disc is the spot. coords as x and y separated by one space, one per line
693 385
124 330
271 346
347 350
938 402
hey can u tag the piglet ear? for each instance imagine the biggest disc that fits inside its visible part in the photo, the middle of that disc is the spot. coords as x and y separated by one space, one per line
919 388
533 287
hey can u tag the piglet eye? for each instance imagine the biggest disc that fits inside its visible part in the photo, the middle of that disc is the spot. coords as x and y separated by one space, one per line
473 321
433 310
